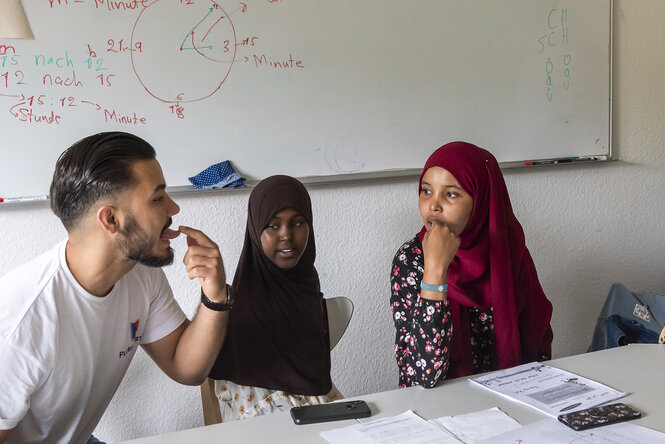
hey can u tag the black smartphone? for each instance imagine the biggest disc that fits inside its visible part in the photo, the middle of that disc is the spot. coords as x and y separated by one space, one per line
599 416
334 411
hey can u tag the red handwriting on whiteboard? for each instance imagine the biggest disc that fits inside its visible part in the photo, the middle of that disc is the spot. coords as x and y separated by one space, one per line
4 50
262 60
105 79
49 80
23 111
9 78
112 5
27 115
120 46
178 110
249 41
67 101
58 2
109 5
129 119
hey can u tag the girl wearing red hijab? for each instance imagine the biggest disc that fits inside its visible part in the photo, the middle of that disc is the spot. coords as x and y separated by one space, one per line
465 292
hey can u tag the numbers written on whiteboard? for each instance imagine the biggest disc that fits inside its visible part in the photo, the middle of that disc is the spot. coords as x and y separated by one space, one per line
11 78
122 57
121 46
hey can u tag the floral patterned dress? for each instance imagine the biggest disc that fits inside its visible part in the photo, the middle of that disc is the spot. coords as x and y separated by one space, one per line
242 402
424 327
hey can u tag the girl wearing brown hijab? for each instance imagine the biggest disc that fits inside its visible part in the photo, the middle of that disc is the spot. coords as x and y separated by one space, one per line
277 352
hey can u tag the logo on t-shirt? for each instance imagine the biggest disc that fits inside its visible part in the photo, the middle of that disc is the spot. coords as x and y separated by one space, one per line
133 328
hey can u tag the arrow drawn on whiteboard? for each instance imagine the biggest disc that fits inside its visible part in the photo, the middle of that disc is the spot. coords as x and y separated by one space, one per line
196 48
15 113
192 31
93 104
8 95
213 25
243 7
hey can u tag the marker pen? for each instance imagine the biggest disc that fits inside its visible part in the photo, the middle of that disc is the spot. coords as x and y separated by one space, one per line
22 199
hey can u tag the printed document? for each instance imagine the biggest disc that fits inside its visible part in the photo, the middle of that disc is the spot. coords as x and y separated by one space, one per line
548 389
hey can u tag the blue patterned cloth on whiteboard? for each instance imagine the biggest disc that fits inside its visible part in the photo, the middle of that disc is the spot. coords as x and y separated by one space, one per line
219 175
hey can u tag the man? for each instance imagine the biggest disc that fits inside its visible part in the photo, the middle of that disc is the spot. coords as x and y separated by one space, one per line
71 319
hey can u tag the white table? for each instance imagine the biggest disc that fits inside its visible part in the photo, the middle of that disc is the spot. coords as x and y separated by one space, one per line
638 370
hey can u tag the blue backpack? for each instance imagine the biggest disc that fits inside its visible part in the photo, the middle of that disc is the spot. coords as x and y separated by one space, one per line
627 318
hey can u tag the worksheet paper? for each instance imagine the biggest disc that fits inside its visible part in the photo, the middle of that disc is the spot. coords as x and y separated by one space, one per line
472 428
548 389
468 428
551 431
405 428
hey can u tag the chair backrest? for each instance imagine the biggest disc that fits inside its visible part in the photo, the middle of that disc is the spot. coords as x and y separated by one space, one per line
340 310
212 413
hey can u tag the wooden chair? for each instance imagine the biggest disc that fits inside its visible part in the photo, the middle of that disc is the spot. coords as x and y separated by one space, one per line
211 411
340 310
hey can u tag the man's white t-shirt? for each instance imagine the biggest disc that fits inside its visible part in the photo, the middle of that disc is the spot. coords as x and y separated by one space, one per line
63 351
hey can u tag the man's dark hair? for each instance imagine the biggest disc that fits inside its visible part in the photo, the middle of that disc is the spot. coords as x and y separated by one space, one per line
94 168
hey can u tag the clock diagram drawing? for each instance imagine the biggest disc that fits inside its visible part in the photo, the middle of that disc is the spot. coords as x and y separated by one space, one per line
188 49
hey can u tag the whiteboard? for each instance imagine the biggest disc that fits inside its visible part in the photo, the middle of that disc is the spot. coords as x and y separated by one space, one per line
305 87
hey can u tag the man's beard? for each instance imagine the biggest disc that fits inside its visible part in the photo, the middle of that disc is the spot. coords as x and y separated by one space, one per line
137 246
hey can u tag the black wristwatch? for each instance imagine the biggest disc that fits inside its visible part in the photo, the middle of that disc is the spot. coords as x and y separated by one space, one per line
216 306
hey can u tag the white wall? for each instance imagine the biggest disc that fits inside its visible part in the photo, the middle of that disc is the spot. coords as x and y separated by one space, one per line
586 226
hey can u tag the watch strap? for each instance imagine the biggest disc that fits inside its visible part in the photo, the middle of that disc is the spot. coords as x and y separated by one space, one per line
216 306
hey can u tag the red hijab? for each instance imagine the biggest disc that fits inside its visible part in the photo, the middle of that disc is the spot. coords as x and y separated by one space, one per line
492 267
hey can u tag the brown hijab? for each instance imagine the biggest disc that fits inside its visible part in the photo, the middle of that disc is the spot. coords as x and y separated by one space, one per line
278 328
